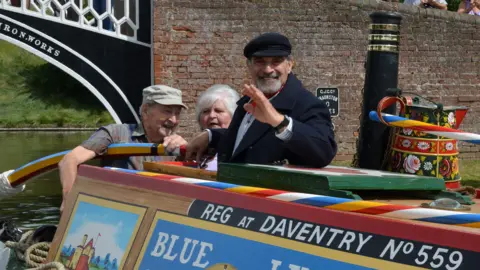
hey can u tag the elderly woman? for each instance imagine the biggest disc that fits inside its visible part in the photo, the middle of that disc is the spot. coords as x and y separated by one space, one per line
471 7
215 108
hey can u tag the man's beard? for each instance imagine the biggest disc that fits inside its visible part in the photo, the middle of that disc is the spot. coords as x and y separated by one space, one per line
269 84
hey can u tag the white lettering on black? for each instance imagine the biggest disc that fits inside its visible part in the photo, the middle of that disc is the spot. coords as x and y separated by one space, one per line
30 39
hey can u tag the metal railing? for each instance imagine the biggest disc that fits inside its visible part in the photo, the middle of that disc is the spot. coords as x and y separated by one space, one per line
117 18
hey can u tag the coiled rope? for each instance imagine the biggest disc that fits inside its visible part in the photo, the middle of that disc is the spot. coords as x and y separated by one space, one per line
34 254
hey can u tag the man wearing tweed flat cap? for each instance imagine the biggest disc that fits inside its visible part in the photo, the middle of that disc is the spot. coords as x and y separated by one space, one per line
160 116
277 119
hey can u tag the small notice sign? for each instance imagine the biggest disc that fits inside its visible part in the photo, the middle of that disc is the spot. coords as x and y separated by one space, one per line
331 98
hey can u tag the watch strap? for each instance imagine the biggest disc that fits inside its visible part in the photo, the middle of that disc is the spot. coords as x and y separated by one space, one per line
282 124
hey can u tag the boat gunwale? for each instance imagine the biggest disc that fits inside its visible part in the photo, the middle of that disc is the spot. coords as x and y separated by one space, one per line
446 235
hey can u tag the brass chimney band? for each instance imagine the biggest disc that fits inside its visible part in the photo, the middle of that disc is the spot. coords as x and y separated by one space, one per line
384 37
387 27
383 48
384 42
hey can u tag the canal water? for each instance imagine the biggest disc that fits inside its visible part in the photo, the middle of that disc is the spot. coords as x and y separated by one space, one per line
39 203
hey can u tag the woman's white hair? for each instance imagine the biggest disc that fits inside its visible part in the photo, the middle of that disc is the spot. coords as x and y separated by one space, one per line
215 92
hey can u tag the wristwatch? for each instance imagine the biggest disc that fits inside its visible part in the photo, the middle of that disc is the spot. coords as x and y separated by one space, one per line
283 124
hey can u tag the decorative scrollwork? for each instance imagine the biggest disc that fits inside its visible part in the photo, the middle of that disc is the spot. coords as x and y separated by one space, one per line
112 17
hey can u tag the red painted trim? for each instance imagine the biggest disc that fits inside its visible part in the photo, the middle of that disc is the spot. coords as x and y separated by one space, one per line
434 146
352 221
266 192
453 184
181 163
29 176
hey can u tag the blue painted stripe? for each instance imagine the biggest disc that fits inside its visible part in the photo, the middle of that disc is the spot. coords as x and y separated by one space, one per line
374 116
454 219
394 118
120 145
217 185
322 201
115 145
42 159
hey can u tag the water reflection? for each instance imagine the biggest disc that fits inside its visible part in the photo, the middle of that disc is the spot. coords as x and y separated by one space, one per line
39 203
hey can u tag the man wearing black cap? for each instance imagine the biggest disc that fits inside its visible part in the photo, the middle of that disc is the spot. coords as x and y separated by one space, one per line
277 118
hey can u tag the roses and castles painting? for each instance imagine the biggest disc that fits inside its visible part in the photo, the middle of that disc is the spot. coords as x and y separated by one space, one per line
99 234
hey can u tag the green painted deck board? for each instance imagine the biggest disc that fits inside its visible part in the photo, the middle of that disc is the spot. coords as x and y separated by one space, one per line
316 182
383 183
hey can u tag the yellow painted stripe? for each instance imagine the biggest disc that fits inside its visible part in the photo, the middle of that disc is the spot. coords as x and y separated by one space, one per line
471 225
424 139
54 160
354 206
244 189
149 173
33 168
129 150
275 241
424 154
410 123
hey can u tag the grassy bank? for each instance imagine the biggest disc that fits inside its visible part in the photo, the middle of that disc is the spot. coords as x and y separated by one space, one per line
470 172
34 93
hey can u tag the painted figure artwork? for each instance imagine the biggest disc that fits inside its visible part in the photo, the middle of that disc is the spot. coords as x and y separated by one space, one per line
99 235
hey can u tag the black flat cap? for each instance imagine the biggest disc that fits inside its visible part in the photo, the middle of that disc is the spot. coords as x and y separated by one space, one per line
268 44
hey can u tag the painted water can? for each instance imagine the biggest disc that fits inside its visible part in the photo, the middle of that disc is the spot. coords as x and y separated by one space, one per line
416 152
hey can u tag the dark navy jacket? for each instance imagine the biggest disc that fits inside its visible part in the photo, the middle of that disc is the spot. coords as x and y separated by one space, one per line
312 144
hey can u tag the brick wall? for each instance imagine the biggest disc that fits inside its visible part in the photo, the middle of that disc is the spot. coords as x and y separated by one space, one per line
199 43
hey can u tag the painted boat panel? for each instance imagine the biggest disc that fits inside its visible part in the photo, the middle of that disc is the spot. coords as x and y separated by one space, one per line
226 228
